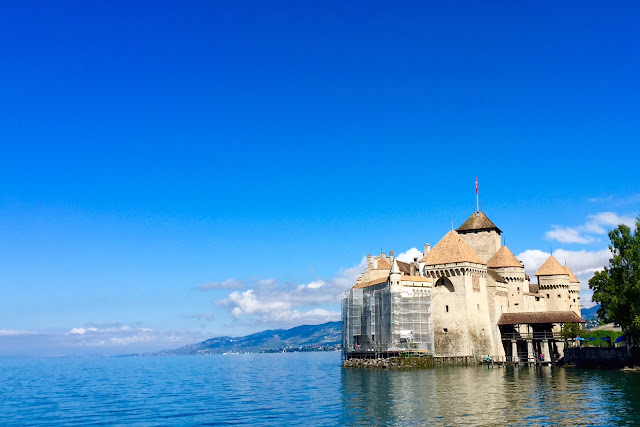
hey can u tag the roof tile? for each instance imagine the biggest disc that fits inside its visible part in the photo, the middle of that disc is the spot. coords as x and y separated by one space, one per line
551 267
476 222
451 249
503 258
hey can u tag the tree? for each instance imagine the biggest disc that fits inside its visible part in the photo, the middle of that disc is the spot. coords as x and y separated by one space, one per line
570 330
617 287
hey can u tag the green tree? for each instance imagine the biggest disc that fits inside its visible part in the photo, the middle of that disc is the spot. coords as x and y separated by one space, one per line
570 330
617 287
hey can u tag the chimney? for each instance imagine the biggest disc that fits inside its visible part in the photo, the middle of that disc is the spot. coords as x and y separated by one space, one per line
427 248
368 260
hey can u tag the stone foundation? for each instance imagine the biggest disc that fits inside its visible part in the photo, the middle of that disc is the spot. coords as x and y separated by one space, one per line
455 361
408 362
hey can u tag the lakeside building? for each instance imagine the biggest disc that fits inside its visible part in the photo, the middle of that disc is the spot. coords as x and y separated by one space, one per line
469 296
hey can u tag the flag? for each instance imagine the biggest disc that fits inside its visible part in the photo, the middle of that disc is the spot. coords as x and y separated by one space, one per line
476 185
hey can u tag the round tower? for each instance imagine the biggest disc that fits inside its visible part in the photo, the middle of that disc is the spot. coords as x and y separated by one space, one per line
553 282
574 291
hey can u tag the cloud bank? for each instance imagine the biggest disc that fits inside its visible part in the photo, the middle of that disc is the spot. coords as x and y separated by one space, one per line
282 304
86 340
594 226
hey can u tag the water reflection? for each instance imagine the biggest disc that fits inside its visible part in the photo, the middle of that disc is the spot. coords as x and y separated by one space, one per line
496 396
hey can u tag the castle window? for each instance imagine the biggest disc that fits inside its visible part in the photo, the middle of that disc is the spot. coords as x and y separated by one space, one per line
537 298
518 289
574 300
559 296
445 330
443 281
548 296
446 307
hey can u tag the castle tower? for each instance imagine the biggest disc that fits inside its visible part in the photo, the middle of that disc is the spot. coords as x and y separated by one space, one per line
574 291
553 282
507 265
395 276
460 311
481 234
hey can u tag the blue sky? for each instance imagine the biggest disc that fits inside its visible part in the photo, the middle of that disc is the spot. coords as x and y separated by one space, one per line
172 172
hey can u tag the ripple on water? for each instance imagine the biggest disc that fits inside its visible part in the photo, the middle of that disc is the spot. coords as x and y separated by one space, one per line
309 388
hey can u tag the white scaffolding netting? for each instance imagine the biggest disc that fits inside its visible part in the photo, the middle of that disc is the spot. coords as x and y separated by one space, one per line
378 319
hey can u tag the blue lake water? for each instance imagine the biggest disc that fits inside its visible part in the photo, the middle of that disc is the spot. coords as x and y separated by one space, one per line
304 388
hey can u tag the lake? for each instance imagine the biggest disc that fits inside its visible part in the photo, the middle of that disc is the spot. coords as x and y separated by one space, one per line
304 388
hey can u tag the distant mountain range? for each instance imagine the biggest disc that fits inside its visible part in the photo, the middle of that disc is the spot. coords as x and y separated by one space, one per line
591 316
325 337
590 313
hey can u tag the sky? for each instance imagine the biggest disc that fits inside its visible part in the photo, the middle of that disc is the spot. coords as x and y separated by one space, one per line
175 171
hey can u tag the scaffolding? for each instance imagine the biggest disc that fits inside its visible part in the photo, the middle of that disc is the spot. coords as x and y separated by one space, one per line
382 319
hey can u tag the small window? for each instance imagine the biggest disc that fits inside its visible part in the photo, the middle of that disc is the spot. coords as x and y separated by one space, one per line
537 298
548 296
445 330
446 307
478 307
559 296
574 300
518 289
515 303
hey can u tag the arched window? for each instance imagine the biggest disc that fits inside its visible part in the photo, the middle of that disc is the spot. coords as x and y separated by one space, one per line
443 281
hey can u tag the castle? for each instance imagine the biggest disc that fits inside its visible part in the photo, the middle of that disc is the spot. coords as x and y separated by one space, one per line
469 296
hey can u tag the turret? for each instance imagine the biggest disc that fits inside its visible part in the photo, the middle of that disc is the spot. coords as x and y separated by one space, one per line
481 234
553 282
395 276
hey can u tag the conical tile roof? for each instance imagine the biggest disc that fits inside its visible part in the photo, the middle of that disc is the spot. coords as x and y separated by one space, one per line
476 222
572 277
451 249
550 267
503 258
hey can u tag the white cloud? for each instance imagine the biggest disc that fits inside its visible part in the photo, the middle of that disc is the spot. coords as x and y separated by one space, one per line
246 302
286 304
98 341
313 285
203 316
596 224
227 284
611 200
409 255
82 331
131 339
317 316
567 235
13 332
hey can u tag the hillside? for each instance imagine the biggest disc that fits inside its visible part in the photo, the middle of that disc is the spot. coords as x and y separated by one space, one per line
590 313
324 337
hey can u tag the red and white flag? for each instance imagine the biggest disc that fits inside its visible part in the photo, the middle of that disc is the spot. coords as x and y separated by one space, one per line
476 185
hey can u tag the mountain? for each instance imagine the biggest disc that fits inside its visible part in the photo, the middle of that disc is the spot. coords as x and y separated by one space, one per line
591 316
327 336
590 313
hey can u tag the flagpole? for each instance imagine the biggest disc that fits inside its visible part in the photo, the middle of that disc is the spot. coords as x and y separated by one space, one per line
477 204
